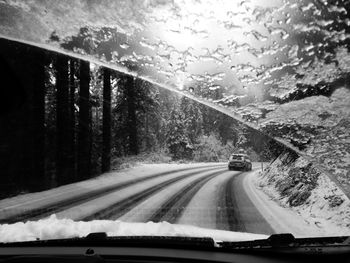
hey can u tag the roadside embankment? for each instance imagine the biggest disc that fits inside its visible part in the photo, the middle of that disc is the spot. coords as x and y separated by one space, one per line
296 197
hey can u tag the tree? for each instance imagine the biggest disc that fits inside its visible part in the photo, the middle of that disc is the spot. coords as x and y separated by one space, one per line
106 129
177 140
50 123
226 128
168 100
62 146
84 134
192 118
136 113
96 103
12 87
147 114
126 132
39 119
119 115
22 133
210 149
31 123
132 122
72 124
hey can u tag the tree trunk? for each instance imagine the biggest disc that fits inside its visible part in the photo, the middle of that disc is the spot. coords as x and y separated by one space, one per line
84 135
63 170
72 139
39 121
22 118
148 143
106 126
12 123
132 123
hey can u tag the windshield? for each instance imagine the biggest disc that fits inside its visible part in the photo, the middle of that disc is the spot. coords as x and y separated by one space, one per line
119 113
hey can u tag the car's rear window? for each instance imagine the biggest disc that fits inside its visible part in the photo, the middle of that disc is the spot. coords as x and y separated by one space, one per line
237 157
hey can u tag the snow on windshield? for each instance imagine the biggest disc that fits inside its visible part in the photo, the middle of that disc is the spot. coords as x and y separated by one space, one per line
280 66
53 228
254 60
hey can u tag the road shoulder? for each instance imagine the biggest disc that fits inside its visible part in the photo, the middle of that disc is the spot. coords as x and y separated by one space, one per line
281 219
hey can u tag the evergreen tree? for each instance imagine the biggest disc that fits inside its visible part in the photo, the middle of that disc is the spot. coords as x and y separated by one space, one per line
132 122
22 116
148 115
84 136
177 140
106 129
136 114
72 119
62 145
193 119
39 59
50 124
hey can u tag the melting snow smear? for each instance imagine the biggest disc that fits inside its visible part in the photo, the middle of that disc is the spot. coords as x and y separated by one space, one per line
294 90
54 228
247 77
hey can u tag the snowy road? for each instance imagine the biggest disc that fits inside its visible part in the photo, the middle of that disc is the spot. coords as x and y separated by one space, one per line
205 195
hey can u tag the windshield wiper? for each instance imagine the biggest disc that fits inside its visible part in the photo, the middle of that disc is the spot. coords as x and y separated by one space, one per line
101 239
279 246
287 243
280 241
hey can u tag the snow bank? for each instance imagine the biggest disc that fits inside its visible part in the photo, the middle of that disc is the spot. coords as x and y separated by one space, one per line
54 228
296 185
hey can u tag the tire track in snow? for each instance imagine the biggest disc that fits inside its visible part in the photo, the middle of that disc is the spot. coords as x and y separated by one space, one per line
123 206
61 205
202 209
174 207
228 214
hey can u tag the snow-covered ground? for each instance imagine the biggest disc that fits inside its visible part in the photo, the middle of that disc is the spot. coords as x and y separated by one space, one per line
144 210
65 224
325 212
87 208
204 205
258 206
26 202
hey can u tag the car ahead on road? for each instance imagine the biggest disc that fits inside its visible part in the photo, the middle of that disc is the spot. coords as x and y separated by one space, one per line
239 162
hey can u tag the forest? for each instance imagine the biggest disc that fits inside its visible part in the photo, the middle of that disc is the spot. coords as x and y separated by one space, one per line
65 120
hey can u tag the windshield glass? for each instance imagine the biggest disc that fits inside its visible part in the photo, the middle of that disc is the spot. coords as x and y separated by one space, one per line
237 157
129 111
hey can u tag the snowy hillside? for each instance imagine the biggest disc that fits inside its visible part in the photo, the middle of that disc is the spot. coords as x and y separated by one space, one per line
319 126
296 184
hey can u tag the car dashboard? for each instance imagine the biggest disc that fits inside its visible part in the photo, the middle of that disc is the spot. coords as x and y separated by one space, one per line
173 249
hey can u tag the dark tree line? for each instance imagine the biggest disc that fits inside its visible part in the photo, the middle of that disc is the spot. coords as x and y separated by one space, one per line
45 122
22 130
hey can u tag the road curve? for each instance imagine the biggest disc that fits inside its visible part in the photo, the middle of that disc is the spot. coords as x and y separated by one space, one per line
173 208
224 204
9 215
213 200
207 196
228 216
122 206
